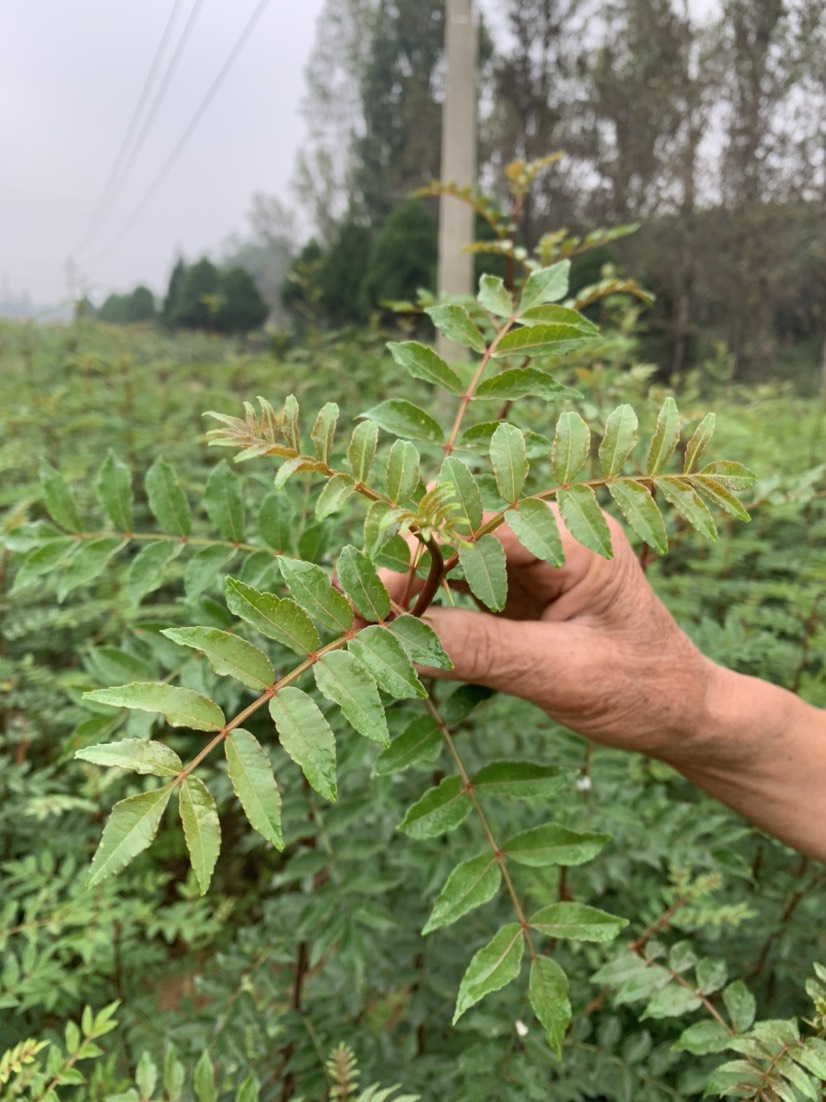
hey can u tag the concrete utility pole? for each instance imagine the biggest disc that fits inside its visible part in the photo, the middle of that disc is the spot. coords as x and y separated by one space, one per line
459 143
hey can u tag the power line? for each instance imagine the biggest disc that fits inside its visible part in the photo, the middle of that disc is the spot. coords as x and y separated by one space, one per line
104 203
160 95
193 125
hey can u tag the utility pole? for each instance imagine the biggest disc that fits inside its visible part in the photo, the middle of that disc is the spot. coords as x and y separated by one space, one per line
459 145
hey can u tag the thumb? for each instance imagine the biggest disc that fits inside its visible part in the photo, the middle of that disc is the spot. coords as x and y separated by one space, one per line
501 654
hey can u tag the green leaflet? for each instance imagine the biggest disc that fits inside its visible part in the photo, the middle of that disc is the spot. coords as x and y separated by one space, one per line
703 1038
484 565
685 499
640 510
88 563
383 656
618 440
510 463
167 499
113 488
421 643
672 1001
521 780
361 583
733 476
577 922
494 296
402 418
146 572
572 443
716 493
420 743
402 473
698 442
180 707
559 315
479 437
222 500
361 450
205 567
439 810
228 655
665 439
380 526
548 995
457 325
276 522
130 830
494 966
584 519
534 525
518 382
457 474
51 557
470 885
333 496
58 499
202 830
312 590
306 736
345 681
552 844
203 1080
541 340
323 431
740 1005
423 363
250 773
545 285
135 754
277 618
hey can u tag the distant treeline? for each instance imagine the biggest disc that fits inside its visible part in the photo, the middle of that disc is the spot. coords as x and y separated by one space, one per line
199 296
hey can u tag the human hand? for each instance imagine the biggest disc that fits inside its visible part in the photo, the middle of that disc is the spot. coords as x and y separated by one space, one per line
588 642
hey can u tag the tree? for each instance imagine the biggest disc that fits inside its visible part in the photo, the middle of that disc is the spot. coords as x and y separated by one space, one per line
113 309
342 272
140 305
242 306
192 308
173 292
400 147
403 257
266 252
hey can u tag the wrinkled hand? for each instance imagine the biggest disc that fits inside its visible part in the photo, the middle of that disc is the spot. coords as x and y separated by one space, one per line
590 643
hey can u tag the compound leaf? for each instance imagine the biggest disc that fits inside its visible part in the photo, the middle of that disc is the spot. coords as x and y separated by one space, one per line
510 463
344 680
361 583
114 492
642 513
312 590
135 754
470 885
383 656
553 844
202 829
572 443
307 737
227 654
457 325
250 773
439 810
180 707
548 995
423 363
222 500
402 418
584 519
534 525
167 499
484 565
494 966
277 618
129 830
618 440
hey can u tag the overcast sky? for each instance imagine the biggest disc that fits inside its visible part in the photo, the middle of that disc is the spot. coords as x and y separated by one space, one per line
70 77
